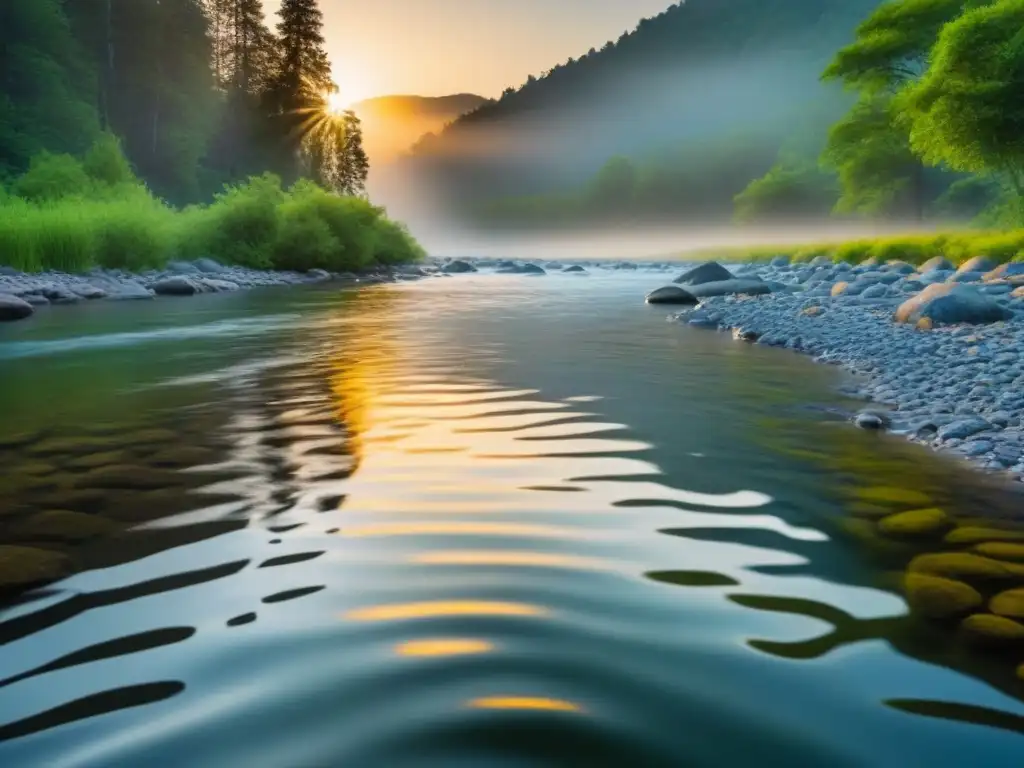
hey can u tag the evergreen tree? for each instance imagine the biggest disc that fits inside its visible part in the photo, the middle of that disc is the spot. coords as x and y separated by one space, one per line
304 77
45 85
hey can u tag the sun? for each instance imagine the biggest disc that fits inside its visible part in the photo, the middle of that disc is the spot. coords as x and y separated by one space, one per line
337 103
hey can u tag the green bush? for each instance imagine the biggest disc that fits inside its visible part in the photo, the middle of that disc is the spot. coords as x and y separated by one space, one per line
52 177
72 215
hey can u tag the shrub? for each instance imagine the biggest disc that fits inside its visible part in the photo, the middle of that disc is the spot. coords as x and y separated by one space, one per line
52 177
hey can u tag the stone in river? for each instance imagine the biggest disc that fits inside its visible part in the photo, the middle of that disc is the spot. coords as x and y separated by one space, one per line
1009 270
671 294
129 291
575 269
735 286
216 286
209 266
936 262
977 264
936 597
963 428
13 308
182 267
534 269
948 304
175 286
872 420
708 272
22 566
457 267
967 277
876 291
780 261
318 274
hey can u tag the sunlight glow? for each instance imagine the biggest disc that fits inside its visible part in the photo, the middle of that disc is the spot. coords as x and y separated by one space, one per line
337 103
443 647
443 608
525 703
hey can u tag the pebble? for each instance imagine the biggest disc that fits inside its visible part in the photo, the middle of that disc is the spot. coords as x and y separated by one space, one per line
956 388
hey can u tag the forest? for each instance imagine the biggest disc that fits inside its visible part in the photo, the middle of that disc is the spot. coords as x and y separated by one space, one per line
912 120
134 131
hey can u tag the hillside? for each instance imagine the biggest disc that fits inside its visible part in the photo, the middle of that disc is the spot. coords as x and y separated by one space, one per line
392 124
720 86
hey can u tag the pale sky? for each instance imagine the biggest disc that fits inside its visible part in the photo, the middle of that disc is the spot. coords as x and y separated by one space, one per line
437 47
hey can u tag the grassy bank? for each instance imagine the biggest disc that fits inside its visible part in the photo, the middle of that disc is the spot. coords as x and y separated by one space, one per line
73 214
958 247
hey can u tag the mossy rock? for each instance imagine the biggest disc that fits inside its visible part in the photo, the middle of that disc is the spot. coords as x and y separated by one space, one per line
32 469
24 566
74 499
14 486
865 532
74 446
894 498
141 507
868 511
183 457
939 598
149 437
1001 550
18 439
96 460
63 525
966 566
974 534
129 477
915 524
1009 603
990 630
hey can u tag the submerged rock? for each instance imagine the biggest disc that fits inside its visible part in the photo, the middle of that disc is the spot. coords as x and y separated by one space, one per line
13 308
708 272
531 269
576 268
23 566
670 294
939 598
457 267
949 304
872 420
990 630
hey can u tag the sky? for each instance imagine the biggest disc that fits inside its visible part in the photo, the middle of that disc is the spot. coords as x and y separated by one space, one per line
439 47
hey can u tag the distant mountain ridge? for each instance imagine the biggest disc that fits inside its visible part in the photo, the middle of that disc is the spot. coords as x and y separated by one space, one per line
702 73
392 124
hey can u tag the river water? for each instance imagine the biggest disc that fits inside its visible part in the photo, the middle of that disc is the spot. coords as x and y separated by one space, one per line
478 521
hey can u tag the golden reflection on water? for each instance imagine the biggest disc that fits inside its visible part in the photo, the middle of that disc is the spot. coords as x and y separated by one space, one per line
504 557
529 703
433 609
443 646
460 528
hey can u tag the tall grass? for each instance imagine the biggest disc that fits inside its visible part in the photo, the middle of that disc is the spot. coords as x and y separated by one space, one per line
957 247
72 215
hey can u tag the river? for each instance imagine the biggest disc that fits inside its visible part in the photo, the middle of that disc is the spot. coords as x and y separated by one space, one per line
477 521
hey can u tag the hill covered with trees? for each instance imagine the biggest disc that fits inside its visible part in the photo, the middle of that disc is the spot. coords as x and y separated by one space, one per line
117 114
393 124
686 109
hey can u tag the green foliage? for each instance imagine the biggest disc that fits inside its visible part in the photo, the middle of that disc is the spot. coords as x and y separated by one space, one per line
966 112
106 163
793 188
972 197
892 44
871 153
52 177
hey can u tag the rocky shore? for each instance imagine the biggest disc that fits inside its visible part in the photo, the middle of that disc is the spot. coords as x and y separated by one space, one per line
21 293
940 350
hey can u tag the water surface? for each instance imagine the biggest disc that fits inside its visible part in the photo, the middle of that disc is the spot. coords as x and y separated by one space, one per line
477 521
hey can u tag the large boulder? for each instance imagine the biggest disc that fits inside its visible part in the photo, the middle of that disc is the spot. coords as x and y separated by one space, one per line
457 267
176 286
1011 270
13 308
730 287
671 294
209 266
708 272
129 291
977 264
532 269
948 304
936 262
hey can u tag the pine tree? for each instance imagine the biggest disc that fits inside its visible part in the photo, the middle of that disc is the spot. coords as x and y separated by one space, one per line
305 71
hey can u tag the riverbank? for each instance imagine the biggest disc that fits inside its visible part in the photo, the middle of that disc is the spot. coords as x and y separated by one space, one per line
953 386
21 293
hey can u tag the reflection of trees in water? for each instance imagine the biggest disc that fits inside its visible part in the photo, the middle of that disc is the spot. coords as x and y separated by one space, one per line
877 477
